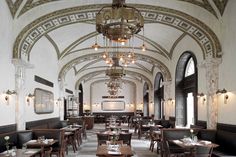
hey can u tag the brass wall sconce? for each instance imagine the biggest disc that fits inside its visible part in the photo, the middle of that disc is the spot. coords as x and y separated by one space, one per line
29 96
223 91
8 92
201 95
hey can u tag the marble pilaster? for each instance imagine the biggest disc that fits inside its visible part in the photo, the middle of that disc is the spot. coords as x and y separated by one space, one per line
211 66
20 68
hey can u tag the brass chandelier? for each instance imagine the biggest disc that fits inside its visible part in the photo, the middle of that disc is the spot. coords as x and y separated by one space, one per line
115 73
119 22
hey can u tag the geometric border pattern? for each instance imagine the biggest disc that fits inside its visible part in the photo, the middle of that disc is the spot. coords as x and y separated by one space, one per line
200 32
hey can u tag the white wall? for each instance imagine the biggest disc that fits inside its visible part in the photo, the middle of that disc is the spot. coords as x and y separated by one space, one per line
99 89
6 67
227 73
44 59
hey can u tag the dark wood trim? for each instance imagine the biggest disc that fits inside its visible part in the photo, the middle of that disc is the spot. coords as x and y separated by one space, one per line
43 81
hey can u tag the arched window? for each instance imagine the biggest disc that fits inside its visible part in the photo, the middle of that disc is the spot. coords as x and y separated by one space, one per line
186 90
158 96
145 99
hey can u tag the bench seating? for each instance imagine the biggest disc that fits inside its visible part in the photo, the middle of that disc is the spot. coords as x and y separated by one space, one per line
18 138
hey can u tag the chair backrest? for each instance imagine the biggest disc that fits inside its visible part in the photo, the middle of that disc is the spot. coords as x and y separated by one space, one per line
102 138
115 142
203 151
126 138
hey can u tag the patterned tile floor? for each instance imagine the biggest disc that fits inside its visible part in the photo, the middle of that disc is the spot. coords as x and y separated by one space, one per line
89 146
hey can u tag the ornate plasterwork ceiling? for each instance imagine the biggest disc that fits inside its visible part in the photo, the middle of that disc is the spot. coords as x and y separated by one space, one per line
77 54
14 6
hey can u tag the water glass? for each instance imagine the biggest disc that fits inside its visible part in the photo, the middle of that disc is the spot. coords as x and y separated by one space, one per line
195 139
24 147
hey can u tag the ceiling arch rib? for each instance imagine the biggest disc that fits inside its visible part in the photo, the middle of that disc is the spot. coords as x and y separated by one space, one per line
200 32
90 75
94 56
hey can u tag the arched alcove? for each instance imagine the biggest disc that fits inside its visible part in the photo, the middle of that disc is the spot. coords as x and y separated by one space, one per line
145 99
186 89
158 96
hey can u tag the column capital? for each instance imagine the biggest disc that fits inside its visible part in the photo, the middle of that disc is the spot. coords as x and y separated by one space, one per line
22 63
210 62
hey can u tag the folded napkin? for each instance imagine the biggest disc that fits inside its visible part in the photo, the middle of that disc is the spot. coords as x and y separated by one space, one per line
114 152
30 152
205 142
177 141
32 141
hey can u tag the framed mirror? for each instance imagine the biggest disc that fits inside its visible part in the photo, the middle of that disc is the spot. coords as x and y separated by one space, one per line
43 101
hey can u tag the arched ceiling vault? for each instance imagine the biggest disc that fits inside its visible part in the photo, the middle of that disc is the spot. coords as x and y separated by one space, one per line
79 57
93 74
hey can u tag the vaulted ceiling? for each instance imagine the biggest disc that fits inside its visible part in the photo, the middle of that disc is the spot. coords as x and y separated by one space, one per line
69 27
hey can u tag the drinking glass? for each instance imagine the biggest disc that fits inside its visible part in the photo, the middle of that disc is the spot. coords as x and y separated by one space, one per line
24 147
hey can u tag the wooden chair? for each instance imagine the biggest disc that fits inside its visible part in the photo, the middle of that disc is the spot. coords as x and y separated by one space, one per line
171 151
119 142
203 151
155 139
126 138
102 138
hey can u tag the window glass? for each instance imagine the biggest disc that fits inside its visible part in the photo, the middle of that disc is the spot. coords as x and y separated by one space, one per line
190 68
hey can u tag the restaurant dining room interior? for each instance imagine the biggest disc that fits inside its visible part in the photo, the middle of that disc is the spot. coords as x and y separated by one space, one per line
117 78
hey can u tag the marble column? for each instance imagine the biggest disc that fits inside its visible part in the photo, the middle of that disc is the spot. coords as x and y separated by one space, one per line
211 66
151 101
20 68
167 97
61 83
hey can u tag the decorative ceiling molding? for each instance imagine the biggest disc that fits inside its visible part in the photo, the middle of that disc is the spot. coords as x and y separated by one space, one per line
203 4
221 4
95 73
176 43
30 4
200 32
14 6
96 56
54 45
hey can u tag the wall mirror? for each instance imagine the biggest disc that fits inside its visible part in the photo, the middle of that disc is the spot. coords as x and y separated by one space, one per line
44 101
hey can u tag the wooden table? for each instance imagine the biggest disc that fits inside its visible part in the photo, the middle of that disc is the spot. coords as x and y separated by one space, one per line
40 144
21 153
124 150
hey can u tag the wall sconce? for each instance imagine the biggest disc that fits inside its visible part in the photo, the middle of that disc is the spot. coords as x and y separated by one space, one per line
8 92
170 100
29 96
201 95
223 91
